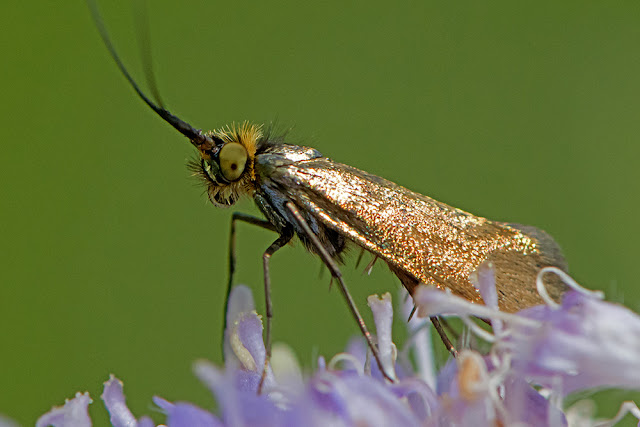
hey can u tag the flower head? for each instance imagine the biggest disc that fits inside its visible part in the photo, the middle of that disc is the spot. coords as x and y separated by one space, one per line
559 348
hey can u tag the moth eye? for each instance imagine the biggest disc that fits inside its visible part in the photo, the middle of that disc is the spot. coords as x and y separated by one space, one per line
233 158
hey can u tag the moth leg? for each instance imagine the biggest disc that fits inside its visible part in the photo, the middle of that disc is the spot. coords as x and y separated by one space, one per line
321 271
282 240
369 267
335 272
438 323
413 311
360 257
449 329
237 216
443 336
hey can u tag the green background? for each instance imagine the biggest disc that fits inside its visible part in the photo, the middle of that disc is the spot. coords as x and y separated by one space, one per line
111 259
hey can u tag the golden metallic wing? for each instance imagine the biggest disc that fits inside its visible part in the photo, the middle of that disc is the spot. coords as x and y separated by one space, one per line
422 240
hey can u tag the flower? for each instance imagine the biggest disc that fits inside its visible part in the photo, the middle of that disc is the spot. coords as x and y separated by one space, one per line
567 347
558 348
72 413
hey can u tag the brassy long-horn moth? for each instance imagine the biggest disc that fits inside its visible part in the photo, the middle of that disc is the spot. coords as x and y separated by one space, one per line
329 205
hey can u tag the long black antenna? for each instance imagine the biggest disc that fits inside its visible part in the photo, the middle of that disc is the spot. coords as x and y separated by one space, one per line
196 136
144 43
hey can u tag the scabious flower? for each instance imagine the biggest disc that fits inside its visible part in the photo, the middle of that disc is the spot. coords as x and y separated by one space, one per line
537 357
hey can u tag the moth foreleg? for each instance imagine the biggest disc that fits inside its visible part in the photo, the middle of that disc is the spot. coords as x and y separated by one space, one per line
237 216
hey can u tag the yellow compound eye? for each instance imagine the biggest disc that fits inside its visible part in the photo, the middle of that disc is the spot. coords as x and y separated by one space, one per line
233 157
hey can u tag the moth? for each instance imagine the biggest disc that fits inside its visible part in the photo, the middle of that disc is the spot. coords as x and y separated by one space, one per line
329 205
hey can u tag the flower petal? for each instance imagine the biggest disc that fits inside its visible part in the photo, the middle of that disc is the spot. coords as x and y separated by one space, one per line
524 405
240 302
419 342
578 344
485 281
353 399
183 414
420 398
74 413
7 422
114 400
383 317
286 368
434 302
239 405
146 421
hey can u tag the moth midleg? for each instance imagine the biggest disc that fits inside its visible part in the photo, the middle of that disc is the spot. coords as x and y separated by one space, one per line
335 272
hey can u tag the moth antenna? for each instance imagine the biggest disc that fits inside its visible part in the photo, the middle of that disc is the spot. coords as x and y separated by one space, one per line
197 138
146 53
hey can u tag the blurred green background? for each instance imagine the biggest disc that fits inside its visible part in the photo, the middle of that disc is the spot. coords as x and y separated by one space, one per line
112 261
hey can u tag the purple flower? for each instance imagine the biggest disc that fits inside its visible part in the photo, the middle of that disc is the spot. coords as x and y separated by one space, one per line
558 348
7 422
575 345
563 348
72 413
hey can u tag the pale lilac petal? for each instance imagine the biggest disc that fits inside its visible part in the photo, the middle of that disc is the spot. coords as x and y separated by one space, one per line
7 422
360 359
249 331
235 400
72 414
322 363
114 400
446 376
485 281
421 399
286 368
472 389
240 302
470 395
358 400
525 405
322 401
357 347
625 409
434 302
248 351
183 414
383 317
146 421
578 343
419 343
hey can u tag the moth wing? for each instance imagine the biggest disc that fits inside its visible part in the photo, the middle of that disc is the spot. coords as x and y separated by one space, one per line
422 240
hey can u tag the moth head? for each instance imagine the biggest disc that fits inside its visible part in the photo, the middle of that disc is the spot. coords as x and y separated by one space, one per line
226 155
227 166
